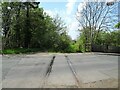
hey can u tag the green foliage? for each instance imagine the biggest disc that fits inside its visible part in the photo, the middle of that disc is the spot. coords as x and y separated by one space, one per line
103 38
70 49
32 28
81 42
20 50
117 25
108 38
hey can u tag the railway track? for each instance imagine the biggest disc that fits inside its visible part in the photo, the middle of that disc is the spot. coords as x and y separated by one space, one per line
49 70
61 71
73 71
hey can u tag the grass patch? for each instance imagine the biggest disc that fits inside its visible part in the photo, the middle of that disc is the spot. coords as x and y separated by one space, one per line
20 50
71 49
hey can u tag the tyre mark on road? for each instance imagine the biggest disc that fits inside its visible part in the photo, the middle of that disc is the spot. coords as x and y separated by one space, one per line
48 71
50 67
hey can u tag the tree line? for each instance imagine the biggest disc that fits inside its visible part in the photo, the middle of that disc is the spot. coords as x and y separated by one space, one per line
25 25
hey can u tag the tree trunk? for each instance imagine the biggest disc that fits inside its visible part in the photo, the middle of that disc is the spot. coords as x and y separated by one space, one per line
27 37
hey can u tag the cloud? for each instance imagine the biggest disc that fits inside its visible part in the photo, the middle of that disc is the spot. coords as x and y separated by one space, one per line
61 13
49 12
111 0
70 6
73 29
54 12
80 7
83 4
71 22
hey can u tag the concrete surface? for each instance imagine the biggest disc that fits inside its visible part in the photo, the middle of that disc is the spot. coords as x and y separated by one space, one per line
9 61
96 68
29 71
61 75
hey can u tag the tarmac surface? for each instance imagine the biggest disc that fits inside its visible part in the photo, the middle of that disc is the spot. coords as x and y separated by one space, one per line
57 70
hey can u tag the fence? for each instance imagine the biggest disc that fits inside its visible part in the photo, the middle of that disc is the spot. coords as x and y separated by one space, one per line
105 48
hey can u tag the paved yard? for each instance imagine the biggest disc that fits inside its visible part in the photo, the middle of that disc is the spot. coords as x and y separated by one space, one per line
56 71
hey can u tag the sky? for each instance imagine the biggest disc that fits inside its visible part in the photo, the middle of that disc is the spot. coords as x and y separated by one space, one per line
66 9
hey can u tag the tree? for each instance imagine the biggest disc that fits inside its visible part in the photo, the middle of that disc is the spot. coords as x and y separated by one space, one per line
11 15
96 16
31 27
117 25
27 32
10 12
62 39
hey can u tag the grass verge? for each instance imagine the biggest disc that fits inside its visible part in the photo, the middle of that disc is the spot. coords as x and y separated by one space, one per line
19 51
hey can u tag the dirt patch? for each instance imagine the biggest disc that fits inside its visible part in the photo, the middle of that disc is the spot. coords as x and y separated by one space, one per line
108 83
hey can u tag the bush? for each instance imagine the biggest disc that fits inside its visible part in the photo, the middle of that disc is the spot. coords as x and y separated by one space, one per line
71 49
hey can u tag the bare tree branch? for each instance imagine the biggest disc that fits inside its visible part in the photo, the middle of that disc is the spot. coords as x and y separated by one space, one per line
95 17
